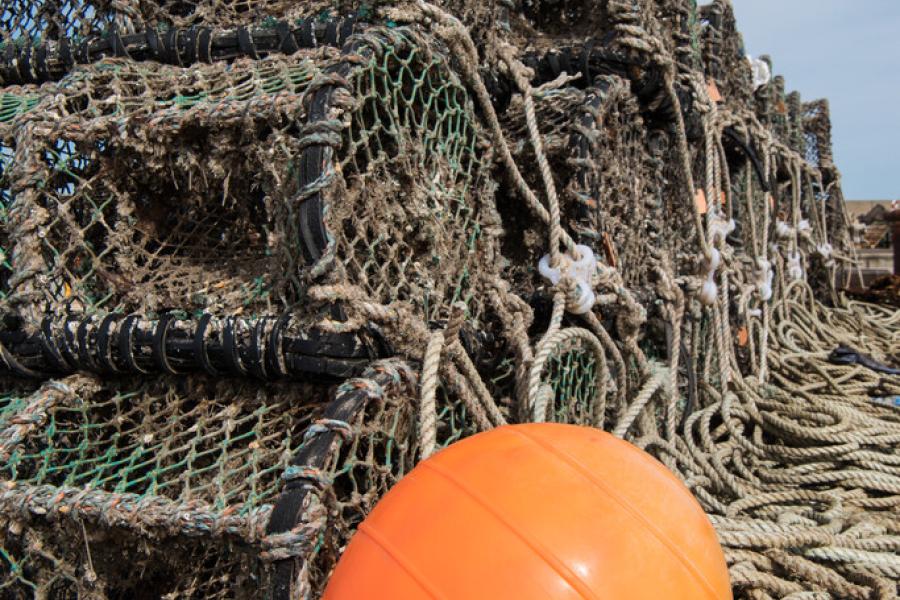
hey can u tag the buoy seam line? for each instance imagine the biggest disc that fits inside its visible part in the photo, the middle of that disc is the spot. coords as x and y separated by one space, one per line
376 537
548 557
575 465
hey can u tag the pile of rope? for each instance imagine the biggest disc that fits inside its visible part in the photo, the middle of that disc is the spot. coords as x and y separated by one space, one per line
395 226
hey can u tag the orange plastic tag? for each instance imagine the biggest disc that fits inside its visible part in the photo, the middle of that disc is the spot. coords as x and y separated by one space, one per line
700 200
743 336
609 250
771 201
724 199
714 94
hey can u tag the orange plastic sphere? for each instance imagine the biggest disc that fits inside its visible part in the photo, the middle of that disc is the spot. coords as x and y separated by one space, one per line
535 512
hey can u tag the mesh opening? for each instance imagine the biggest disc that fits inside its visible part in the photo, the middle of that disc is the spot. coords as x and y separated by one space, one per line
578 391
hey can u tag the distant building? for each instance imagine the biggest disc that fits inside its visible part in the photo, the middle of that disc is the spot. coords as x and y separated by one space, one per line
873 246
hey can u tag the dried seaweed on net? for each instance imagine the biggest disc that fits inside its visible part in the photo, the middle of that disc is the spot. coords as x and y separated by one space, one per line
409 211
179 475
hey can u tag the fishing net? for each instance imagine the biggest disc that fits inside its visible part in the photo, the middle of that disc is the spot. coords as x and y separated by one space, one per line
435 220
257 177
178 476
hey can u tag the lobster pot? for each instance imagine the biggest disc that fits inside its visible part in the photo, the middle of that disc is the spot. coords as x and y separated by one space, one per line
722 49
74 21
234 189
162 489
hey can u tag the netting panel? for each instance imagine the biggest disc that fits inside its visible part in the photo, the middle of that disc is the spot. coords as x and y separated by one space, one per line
100 470
200 225
33 21
407 215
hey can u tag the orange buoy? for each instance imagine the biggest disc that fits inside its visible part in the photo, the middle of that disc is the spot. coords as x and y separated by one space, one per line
540 511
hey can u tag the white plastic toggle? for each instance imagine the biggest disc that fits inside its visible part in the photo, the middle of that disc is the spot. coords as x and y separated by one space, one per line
795 270
783 230
710 291
826 251
761 72
581 270
719 229
764 278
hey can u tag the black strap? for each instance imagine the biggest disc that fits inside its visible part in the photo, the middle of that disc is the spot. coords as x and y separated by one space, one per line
245 43
347 27
41 67
126 344
69 345
104 346
25 65
65 54
308 33
158 348
154 43
286 41
190 45
257 358
48 344
331 33
84 346
118 46
201 351
275 347
204 45
230 348
170 47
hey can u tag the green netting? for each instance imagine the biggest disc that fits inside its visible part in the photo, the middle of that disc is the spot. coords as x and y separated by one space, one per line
195 462
408 217
573 374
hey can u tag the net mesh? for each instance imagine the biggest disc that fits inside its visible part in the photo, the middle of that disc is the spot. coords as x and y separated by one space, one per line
205 223
30 21
101 469
407 215
94 233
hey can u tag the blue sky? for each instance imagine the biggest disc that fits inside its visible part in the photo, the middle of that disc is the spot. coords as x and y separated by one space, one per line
849 52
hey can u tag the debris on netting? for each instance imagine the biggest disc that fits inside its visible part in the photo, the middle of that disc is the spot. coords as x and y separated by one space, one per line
256 261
